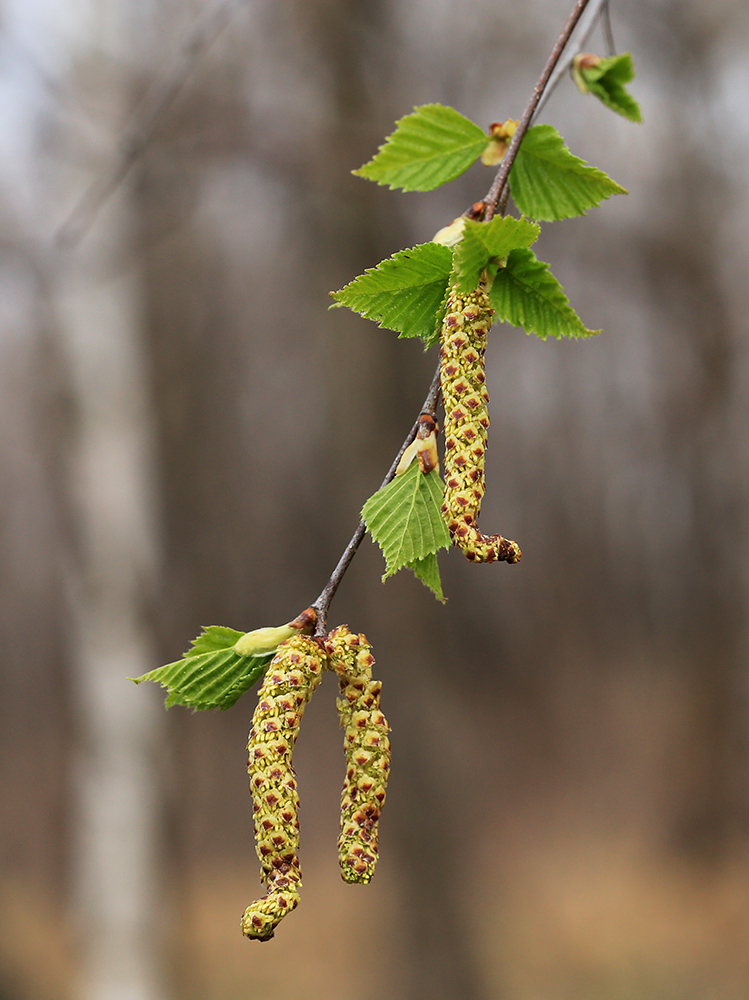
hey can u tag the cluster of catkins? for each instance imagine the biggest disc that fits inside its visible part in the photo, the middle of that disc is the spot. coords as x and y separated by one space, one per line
289 683
465 327
299 663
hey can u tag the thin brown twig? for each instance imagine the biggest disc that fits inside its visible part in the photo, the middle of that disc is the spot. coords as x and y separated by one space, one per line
595 12
138 133
498 185
322 603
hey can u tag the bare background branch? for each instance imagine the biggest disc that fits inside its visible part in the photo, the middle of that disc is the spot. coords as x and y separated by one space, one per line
161 94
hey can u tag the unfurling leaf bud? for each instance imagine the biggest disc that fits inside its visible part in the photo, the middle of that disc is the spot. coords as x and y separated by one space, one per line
583 61
450 235
289 683
265 640
424 446
367 752
501 135
464 333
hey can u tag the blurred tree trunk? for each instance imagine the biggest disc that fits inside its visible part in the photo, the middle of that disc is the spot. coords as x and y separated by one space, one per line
111 564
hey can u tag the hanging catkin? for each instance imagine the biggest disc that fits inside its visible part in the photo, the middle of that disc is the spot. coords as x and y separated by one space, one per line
367 752
289 683
464 332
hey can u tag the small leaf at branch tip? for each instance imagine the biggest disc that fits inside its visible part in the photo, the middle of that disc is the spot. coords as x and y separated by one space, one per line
605 78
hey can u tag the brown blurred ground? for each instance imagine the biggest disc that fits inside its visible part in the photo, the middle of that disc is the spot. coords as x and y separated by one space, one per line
567 818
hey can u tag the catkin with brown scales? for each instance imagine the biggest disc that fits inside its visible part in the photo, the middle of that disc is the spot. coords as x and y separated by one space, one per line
289 683
367 752
465 328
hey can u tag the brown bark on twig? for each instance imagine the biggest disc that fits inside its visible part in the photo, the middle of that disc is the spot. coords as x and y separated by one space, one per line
496 191
491 201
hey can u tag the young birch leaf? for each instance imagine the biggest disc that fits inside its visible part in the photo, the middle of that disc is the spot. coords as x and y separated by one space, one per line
214 679
486 241
403 292
213 673
404 518
427 570
526 294
433 145
549 183
606 78
212 639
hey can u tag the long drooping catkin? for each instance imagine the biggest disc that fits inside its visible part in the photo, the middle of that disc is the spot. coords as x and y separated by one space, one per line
289 683
464 333
367 752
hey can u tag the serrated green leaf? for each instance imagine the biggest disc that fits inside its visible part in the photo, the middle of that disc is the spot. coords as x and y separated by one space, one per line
526 294
211 674
427 570
548 182
607 80
404 518
213 637
486 241
429 147
403 292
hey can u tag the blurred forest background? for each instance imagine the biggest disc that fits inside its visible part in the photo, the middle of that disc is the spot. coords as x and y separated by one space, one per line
187 436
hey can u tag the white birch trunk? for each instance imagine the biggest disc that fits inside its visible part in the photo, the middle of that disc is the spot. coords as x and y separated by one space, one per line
94 300
116 881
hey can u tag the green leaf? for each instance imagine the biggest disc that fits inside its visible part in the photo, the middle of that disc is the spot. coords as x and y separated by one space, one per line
433 145
607 80
213 638
403 292
548 182
211 674
486 241
404 519
526 294
427 570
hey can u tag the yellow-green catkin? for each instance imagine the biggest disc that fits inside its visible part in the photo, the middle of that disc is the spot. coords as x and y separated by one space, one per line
464 333
367 752
289 683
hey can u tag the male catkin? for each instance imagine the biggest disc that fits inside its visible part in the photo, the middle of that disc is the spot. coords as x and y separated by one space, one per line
463 344
289 683
367 752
